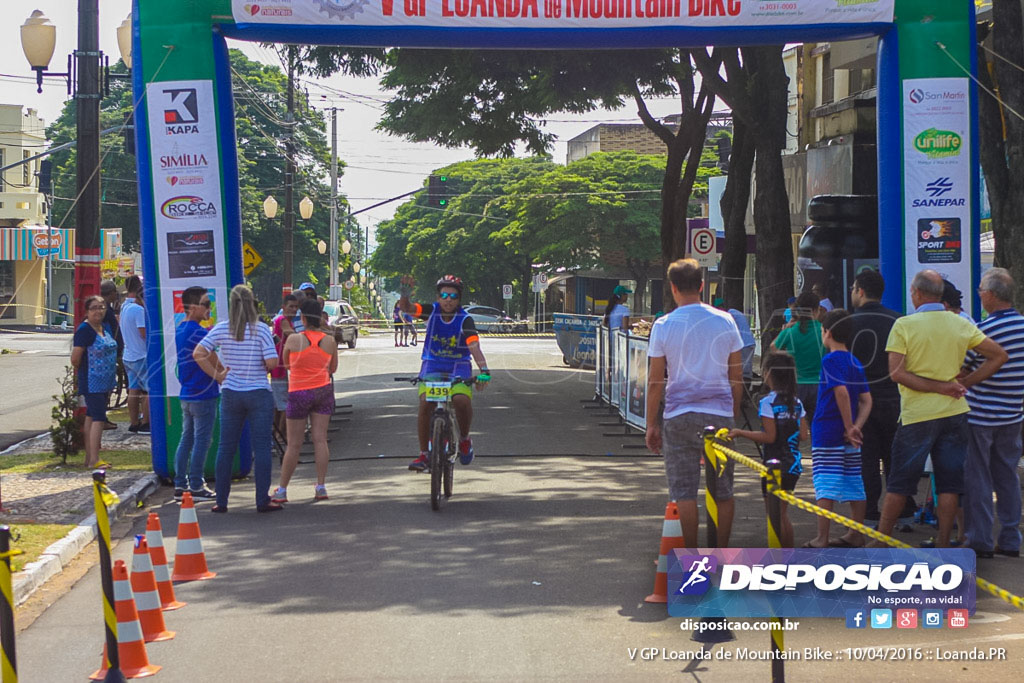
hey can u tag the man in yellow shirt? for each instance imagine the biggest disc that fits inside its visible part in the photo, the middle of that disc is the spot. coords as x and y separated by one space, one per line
926 351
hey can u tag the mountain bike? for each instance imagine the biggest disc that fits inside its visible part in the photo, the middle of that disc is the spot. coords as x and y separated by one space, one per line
444 435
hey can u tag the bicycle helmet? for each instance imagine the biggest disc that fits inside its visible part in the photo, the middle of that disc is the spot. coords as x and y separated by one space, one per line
450 281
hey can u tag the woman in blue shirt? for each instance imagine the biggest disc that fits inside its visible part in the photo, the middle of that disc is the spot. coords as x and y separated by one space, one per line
94 357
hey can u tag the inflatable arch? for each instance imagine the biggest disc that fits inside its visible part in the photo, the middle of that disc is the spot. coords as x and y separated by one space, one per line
191 232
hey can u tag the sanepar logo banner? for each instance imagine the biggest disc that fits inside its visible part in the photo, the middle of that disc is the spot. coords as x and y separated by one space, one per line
811 582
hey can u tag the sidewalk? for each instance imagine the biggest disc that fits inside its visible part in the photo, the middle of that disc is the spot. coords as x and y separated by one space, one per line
66 497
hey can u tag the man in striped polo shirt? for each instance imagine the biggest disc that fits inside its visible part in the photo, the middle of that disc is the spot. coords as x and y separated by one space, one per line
994 424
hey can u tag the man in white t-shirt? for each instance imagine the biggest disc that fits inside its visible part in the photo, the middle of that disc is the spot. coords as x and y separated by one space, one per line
699 348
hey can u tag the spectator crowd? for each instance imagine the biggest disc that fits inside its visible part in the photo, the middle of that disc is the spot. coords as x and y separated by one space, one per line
884 399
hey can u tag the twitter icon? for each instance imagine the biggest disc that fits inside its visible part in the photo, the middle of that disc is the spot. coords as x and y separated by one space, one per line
881 618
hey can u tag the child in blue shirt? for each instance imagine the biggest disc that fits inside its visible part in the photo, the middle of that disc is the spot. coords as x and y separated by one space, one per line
783 427
843 407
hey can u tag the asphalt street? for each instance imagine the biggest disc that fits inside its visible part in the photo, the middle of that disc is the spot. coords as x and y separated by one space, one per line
536 569
28 381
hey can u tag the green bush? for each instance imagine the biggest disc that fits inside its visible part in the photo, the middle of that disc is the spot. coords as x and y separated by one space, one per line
66 431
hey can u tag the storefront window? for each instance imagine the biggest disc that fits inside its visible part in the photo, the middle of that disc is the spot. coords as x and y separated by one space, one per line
7 289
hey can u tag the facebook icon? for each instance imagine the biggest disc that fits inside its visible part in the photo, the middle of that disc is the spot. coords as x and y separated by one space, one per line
856 618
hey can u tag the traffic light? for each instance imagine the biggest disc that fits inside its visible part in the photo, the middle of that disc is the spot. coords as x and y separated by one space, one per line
437 191
46 177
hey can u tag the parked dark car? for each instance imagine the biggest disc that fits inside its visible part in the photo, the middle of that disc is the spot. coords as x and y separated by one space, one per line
344 320
489 319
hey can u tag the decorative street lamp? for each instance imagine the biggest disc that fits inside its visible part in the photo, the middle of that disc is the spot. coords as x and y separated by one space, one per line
86 82
355 267
306 209
321 246
346 247
270 207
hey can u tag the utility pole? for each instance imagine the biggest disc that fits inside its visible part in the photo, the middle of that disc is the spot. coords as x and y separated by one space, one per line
334 202
87 110
289 176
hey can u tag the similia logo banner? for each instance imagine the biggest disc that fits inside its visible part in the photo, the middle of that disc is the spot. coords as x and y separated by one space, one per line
813 582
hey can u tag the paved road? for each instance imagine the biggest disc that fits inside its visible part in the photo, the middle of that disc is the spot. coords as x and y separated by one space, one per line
30 379
536 569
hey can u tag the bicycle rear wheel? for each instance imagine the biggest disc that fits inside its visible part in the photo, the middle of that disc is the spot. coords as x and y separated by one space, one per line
438 460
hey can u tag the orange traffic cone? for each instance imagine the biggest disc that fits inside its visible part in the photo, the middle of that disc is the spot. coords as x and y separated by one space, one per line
155 540
147 599
671 537
130 646
189 558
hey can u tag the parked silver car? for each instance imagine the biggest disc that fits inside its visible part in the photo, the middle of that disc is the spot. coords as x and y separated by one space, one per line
343 319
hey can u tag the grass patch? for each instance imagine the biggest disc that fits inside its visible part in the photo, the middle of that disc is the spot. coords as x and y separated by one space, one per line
33 539
48 462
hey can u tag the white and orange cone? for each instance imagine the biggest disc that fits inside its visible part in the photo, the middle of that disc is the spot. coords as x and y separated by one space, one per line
155 540
147 598
131 648
671 537
189 558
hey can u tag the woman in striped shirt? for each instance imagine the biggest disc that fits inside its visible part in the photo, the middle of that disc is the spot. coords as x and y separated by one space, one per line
246 350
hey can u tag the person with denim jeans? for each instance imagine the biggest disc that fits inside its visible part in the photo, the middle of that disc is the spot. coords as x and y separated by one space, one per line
926 350
247 352
198 398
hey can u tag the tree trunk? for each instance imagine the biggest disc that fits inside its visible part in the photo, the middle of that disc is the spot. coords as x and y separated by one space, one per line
1007 29
774 271
526 278
734 203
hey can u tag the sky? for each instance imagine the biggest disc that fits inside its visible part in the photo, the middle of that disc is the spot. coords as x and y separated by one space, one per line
379 165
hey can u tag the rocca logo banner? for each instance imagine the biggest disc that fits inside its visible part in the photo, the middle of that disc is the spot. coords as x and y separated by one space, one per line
797 582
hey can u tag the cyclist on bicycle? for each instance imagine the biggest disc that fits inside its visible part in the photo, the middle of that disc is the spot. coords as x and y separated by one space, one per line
449 342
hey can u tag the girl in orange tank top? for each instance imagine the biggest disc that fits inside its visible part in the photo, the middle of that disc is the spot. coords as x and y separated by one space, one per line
310 396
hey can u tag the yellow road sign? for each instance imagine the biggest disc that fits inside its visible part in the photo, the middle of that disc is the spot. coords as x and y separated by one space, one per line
250 257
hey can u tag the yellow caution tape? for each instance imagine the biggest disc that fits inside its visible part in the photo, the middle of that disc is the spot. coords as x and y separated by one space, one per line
721 435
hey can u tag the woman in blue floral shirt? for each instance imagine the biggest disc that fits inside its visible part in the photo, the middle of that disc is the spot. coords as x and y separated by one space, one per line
94 356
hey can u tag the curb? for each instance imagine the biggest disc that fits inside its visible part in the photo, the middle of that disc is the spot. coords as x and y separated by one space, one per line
60 553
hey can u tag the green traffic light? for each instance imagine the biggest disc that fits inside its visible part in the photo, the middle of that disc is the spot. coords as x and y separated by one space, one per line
444 178
442 202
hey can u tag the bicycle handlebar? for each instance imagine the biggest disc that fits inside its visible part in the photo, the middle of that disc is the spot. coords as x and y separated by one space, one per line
414 380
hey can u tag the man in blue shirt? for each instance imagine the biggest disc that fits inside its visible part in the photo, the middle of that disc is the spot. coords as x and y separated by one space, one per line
198 396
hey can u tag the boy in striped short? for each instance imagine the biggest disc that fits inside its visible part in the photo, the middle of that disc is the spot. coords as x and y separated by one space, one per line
843 407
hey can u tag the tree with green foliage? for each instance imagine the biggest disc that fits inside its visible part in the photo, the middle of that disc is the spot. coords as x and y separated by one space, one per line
261 127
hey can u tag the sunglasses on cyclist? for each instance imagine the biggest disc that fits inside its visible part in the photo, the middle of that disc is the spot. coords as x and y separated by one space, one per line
448 295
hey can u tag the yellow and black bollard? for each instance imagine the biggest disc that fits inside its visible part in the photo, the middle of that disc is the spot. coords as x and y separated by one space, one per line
714 466
774 483
102 497
9 665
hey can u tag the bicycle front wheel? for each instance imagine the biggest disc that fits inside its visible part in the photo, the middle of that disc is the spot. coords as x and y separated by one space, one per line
438 460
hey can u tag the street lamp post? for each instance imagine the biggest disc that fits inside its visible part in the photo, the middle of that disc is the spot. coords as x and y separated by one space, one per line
38 39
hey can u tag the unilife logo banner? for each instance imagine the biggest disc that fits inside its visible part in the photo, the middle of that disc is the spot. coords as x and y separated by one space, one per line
813 582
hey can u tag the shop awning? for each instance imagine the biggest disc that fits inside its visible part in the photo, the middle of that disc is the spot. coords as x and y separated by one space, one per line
31 242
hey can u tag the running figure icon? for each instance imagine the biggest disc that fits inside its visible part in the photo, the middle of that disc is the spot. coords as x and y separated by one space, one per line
698 570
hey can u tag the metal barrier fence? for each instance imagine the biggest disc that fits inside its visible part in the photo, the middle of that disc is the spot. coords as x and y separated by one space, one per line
620 379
